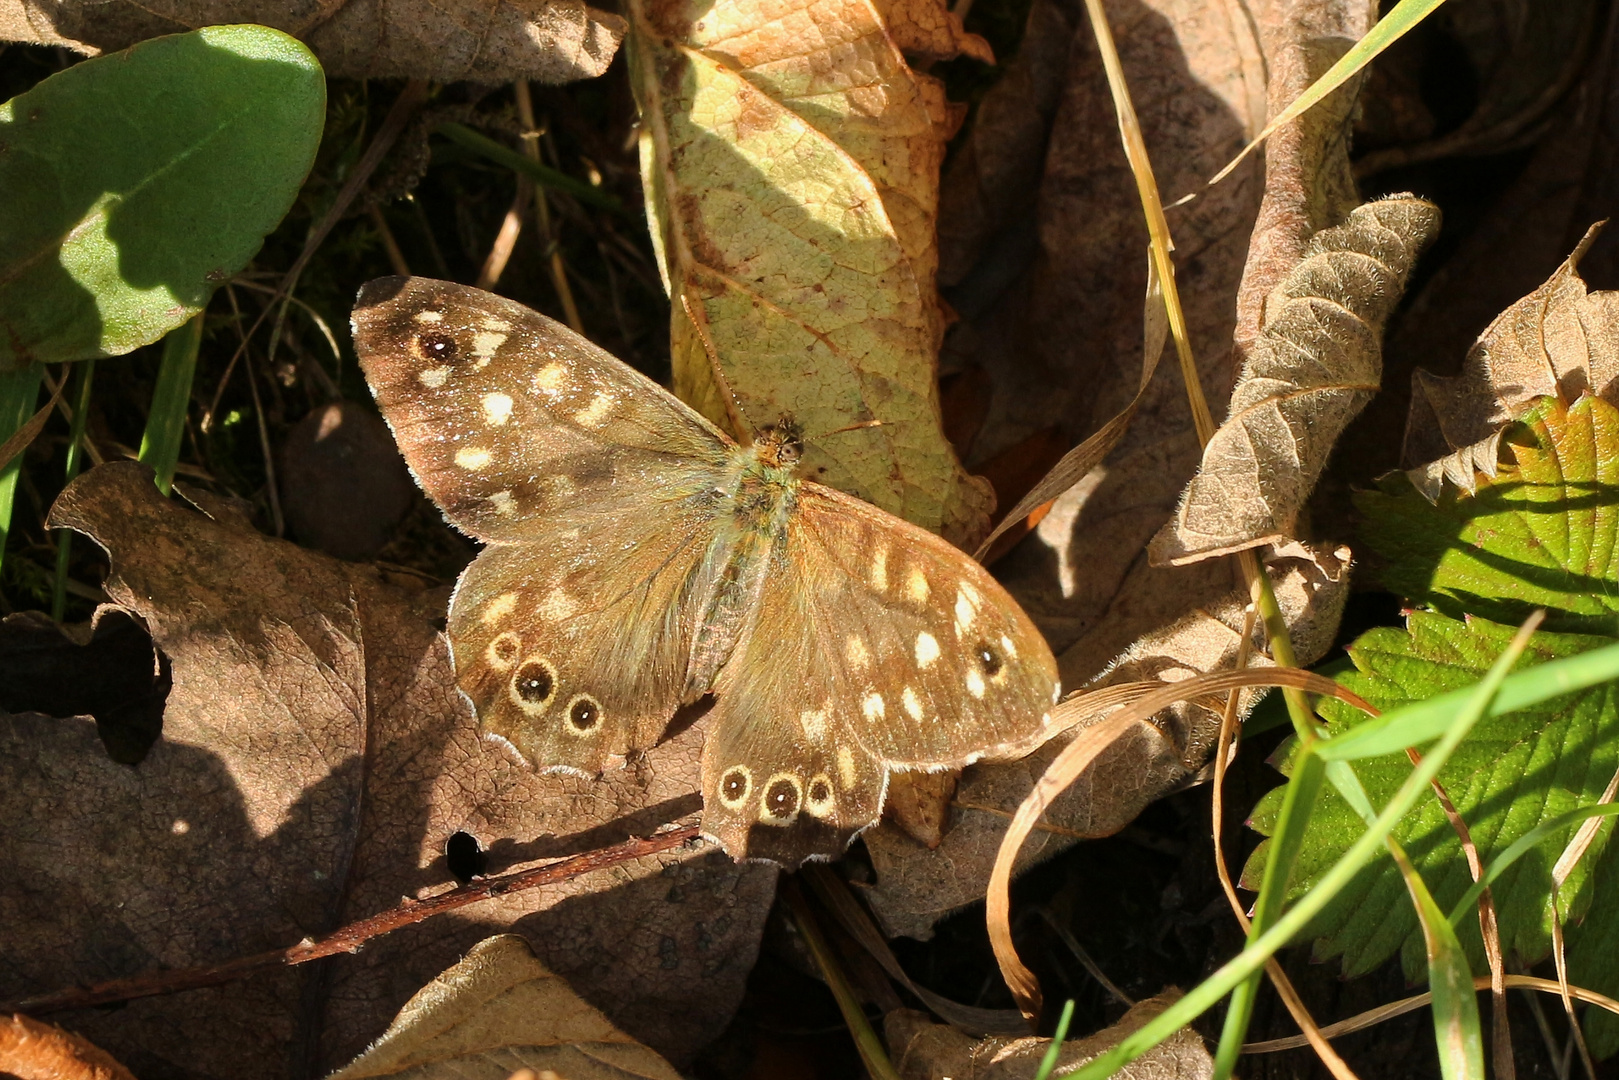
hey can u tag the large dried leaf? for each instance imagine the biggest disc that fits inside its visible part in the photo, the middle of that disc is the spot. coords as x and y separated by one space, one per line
30 1050
791 160
1050 285
499 1010
923 1050
550 40
1558 340
1315 364
315 760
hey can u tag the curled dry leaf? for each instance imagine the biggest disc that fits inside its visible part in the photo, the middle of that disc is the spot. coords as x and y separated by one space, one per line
314 762
553 41
499 1010
924 1050
916 886
31 1050
1560 340
791 162
1315 364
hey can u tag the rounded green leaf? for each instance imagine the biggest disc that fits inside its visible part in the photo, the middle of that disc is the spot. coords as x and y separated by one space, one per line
133 184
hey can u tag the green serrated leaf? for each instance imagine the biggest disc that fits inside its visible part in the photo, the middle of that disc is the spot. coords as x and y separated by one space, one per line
133 184
1542 534
1514 772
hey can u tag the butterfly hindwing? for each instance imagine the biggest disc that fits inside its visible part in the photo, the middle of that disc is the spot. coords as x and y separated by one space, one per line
506 416
873 646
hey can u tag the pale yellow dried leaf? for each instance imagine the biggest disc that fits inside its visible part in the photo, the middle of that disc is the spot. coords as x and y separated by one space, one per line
1316 363
497 1011
791 158
552 41
924 1050
1561 339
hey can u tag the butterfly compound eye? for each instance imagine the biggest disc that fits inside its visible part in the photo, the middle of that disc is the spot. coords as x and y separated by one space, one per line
437 346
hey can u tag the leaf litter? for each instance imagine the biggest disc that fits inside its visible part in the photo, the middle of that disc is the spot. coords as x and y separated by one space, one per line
315 761
1010 264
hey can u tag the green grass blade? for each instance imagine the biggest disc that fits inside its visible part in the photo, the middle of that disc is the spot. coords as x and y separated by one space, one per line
1522 846
1450 980
1280 859
83 374
166 423
19 390
1204 996
543 175
1048 1063
1389 29
1423 721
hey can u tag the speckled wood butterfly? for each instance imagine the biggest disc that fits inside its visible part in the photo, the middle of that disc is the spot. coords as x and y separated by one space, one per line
638 560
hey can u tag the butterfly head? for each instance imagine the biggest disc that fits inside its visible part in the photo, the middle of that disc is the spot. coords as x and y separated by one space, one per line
780 445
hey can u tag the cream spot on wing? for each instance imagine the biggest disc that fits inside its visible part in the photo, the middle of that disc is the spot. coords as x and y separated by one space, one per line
503 502
557 486
927 649
846 771
500 607
486 343
873 706
593 414
1046 719
429 316
966 589
433 377
916 585
499 326
558 605
473 458
966 613
855 649
549 379
1006 644
975 683
813 722
913 704
497 408
879 568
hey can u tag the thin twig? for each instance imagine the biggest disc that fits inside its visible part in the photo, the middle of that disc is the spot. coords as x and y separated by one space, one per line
353 937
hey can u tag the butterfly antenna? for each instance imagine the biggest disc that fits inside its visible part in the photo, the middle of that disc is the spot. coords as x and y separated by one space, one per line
699 322
850 427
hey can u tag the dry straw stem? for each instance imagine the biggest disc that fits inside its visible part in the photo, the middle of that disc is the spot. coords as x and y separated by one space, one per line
1073 761
1373 1017
353 937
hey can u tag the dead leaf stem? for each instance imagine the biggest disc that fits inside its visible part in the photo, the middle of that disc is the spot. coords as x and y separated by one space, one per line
353 937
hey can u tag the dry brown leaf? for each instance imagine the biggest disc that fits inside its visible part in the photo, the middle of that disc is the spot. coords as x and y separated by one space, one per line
498 1010
315 759
916 887
791 164
924 1050
553 41
30 1050
1561 339
1315 364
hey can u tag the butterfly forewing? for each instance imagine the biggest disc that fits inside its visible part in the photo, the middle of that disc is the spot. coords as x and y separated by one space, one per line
874 646
505 416
594 488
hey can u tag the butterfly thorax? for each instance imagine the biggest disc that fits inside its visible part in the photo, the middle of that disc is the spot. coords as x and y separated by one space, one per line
753 503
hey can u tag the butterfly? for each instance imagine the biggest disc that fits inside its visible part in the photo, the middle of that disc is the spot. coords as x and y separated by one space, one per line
637 560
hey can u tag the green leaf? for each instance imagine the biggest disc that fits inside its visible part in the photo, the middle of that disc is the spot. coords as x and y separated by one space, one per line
1542 534
133 184
1514 772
